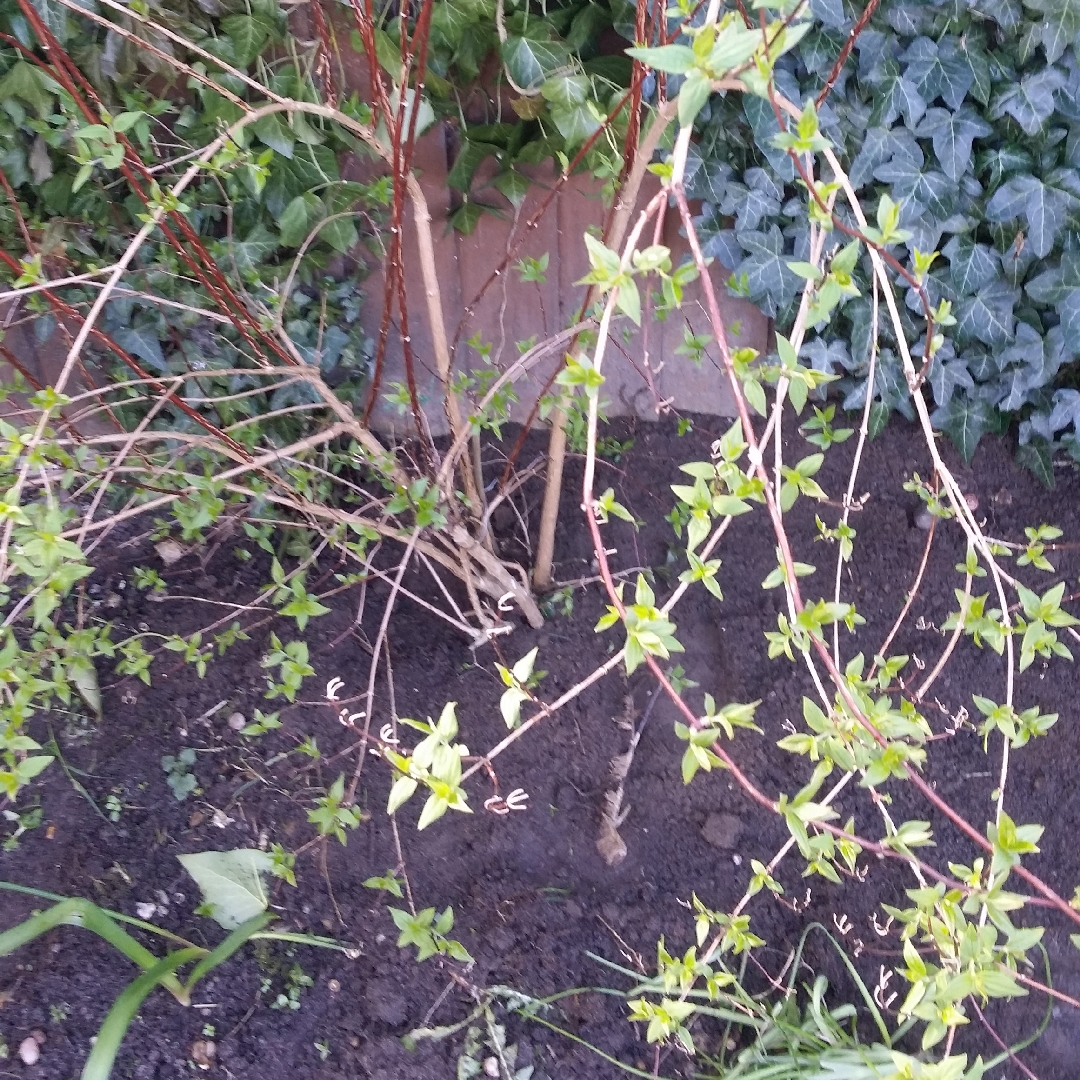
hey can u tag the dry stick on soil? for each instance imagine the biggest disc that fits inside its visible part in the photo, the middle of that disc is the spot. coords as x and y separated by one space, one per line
609 843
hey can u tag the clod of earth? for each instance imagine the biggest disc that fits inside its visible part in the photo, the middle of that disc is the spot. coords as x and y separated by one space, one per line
722 831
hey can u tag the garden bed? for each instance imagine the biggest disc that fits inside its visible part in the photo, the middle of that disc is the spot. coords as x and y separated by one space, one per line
531 894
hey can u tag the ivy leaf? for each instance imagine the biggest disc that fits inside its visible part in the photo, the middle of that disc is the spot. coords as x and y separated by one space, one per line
275 133
1013 389
952 134
937 69
1064 413
1036 361
1035 456
298 218
987 317
31 84
895 96
255 248
1043 207
946 378
768 277
763 121
923 188
468 161
579 124
1006 13
566 91
1002 161
879 146
530 62
513 185
1053 286
750 206
1059 26
830 13
965 420
341 234
908 19
141 340
826 356
465 218
1029 102
249 35
972 266
451 26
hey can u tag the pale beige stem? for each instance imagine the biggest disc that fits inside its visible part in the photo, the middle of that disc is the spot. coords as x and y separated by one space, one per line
628 197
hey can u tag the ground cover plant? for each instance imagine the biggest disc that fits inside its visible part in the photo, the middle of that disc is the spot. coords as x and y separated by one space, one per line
244 426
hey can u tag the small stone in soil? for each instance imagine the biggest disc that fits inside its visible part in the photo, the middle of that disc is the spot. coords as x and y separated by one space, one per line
237 721
29 1051
203 1052
722 831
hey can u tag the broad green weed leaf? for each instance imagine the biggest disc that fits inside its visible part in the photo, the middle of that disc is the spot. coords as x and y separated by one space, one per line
230 882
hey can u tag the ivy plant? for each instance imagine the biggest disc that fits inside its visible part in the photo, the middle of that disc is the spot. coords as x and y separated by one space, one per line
965 116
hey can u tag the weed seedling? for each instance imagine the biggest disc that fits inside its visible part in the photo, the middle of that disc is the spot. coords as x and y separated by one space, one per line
24 822
178 774
296 980
330 817
427 931
559 602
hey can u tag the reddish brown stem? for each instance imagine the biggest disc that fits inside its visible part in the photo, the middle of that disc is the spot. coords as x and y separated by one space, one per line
65 310
845 52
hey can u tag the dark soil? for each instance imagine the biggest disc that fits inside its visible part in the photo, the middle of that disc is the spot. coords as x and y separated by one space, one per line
531 895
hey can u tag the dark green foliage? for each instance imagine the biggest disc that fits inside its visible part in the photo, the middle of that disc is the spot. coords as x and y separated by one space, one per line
281 189
970 116
561 90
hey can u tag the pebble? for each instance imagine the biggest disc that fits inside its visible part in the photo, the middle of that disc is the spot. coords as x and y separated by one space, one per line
203 1052
491 1066
29 1051
169 551
237 721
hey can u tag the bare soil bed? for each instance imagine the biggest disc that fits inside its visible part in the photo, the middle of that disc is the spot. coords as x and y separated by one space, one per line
531 894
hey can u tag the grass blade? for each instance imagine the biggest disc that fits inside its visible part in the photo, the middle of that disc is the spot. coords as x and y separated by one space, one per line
236 940
78 912
112 1032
